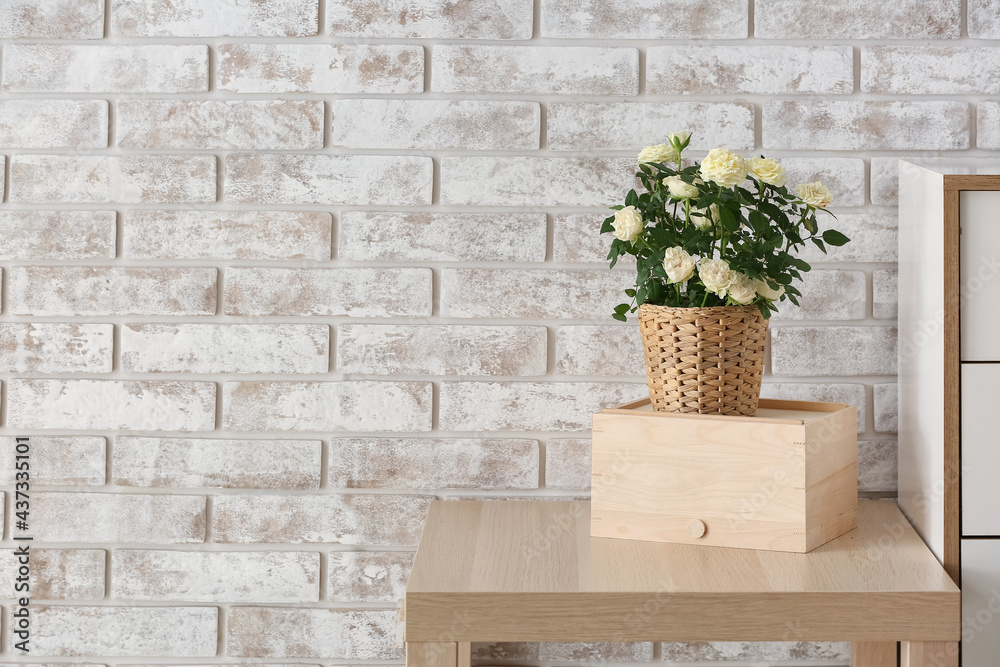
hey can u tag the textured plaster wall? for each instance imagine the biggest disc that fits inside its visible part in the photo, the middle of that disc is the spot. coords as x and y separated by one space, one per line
276 273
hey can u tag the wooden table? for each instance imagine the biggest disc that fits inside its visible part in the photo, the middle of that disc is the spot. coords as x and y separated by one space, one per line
529 571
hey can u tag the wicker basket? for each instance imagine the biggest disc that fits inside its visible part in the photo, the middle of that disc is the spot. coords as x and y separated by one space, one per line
705 360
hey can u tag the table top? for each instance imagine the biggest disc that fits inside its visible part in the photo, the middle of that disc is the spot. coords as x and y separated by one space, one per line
529 571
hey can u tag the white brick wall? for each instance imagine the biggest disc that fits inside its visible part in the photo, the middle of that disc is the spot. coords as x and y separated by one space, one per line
275 274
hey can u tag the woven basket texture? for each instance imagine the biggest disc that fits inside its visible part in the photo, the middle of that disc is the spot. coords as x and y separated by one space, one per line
704 360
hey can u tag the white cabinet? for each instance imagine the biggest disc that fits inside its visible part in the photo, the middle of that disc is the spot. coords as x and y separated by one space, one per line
949 382
981 450
980 603
980 270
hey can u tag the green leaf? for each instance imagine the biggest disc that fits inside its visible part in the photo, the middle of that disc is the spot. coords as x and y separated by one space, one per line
620 317
819 244
632 199
630 292
833 237
802 264
608 225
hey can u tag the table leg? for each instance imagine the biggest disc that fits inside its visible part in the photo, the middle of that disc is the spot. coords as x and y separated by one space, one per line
873 654
432 654
464 654
929 654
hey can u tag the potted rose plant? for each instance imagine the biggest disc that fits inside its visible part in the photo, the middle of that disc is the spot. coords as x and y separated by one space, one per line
714 244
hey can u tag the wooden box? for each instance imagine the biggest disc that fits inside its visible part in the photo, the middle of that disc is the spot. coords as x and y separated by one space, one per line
782 480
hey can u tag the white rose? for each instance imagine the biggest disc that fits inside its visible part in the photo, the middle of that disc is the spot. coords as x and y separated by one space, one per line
658 153
742 290
767 292
815 194
628 223
679 140
707 218
678 264
716 275
767 171
724 167
679 189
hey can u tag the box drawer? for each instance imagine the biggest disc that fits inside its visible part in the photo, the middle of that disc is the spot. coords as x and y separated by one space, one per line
980 261
980 449
980 603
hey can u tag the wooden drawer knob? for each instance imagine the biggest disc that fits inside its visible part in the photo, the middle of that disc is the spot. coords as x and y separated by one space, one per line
697 528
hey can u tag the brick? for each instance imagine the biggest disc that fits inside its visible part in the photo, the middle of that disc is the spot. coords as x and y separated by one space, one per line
988 125
63 68
529 406
225 348
123 631
229 576
40 235
846 350
111 290
58 460
257 632
629 126
984 21
877 471
448 349
851 394
886 408
477 19
853 20
158 234
56 348
535 70
536 293
58 574
845 177
885 302
327 406
866 125
212 124
930 70
142 405
678 19
874 238
433 463
94 518
368 576
54 123
441 237
828 295
885 181
190 18
52 19
321 68
762 70
372 520
567 464
102 179
590 652
576 238
599 350
435 124
328 179
754 651
195 463
535 181
354 292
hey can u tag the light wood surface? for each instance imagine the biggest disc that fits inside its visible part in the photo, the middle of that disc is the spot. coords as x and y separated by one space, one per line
529 571
432 654
873 654
784 480
930 654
